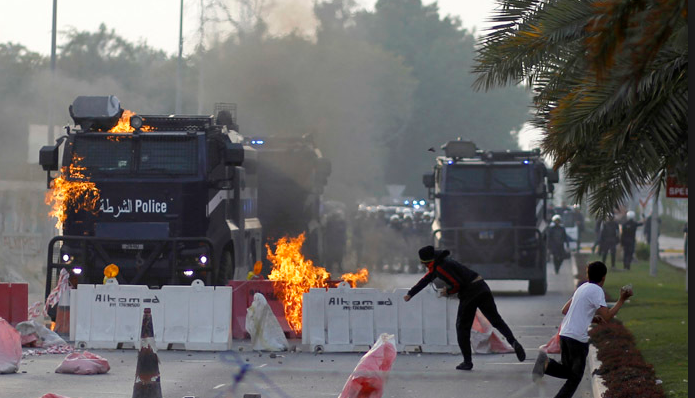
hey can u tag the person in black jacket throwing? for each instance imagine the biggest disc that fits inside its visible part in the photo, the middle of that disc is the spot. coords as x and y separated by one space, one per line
473 293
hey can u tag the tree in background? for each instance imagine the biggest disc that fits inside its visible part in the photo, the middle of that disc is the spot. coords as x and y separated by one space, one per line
440 53
376 89
141 75
610 80
345 92
18 66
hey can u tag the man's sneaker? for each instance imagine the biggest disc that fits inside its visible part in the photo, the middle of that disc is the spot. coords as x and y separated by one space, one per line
539 368
519 350
465 366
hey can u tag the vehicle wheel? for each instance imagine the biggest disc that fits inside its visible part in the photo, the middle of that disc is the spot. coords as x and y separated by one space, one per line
537 287
251 255
226 269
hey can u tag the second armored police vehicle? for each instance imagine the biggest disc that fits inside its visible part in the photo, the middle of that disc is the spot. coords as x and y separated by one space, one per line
292 174
490 211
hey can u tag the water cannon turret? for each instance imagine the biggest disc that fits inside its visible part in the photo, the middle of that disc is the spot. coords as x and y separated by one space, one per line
225 114
96 112
459 149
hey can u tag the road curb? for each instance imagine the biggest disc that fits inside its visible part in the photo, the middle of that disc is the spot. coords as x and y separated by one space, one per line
597 385
598 388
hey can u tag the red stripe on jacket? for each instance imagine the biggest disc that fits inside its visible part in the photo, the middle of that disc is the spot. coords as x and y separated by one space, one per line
455 285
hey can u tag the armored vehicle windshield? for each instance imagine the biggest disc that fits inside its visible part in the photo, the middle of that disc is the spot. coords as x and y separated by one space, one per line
148 154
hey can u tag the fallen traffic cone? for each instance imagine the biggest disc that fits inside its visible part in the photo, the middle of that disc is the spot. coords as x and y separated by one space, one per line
147 371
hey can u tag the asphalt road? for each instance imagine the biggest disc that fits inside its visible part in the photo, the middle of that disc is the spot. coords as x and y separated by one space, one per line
534 320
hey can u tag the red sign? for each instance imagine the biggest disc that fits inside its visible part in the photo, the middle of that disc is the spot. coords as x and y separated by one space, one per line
675 190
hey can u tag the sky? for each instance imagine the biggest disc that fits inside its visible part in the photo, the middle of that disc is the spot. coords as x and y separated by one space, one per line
156 22
29 22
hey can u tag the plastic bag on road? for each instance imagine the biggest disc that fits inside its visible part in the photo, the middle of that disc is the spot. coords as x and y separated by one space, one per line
51 395
83 363
46 337
30 340
263 327
10 348
369 377
486 340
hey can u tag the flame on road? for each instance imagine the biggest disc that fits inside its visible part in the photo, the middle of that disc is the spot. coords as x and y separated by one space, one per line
296 275
71 190
361 276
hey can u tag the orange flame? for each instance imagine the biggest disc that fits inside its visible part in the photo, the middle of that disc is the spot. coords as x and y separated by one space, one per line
71 189
124 126
361 276
296 275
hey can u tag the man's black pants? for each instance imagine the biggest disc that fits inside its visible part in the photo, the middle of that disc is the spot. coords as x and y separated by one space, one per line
573 357
604 254
477 296
559 255
628 251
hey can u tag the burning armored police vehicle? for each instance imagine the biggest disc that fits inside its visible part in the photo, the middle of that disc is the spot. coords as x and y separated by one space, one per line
167 198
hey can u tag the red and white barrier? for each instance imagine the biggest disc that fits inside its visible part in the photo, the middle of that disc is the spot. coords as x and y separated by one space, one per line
14 302
243 292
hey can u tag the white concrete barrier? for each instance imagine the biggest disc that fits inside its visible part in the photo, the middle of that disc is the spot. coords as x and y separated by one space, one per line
345 319
386 314
195 317
410 318
314 317
434 319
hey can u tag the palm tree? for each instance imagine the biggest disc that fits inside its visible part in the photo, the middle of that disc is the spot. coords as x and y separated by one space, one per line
610 81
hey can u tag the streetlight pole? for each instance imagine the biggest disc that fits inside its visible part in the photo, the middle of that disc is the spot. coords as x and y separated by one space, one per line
53 70
654 235
179 65
201 50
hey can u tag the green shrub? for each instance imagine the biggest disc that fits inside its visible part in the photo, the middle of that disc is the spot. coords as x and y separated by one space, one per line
642 251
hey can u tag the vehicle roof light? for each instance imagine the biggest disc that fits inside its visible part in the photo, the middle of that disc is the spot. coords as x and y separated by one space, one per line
136 122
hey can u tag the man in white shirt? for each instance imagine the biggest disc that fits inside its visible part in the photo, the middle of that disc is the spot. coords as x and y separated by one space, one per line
587 305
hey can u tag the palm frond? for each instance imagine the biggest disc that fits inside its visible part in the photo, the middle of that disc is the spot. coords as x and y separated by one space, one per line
610 87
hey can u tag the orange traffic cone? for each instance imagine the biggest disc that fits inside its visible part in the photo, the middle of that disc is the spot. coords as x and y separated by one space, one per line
147 371
62 324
